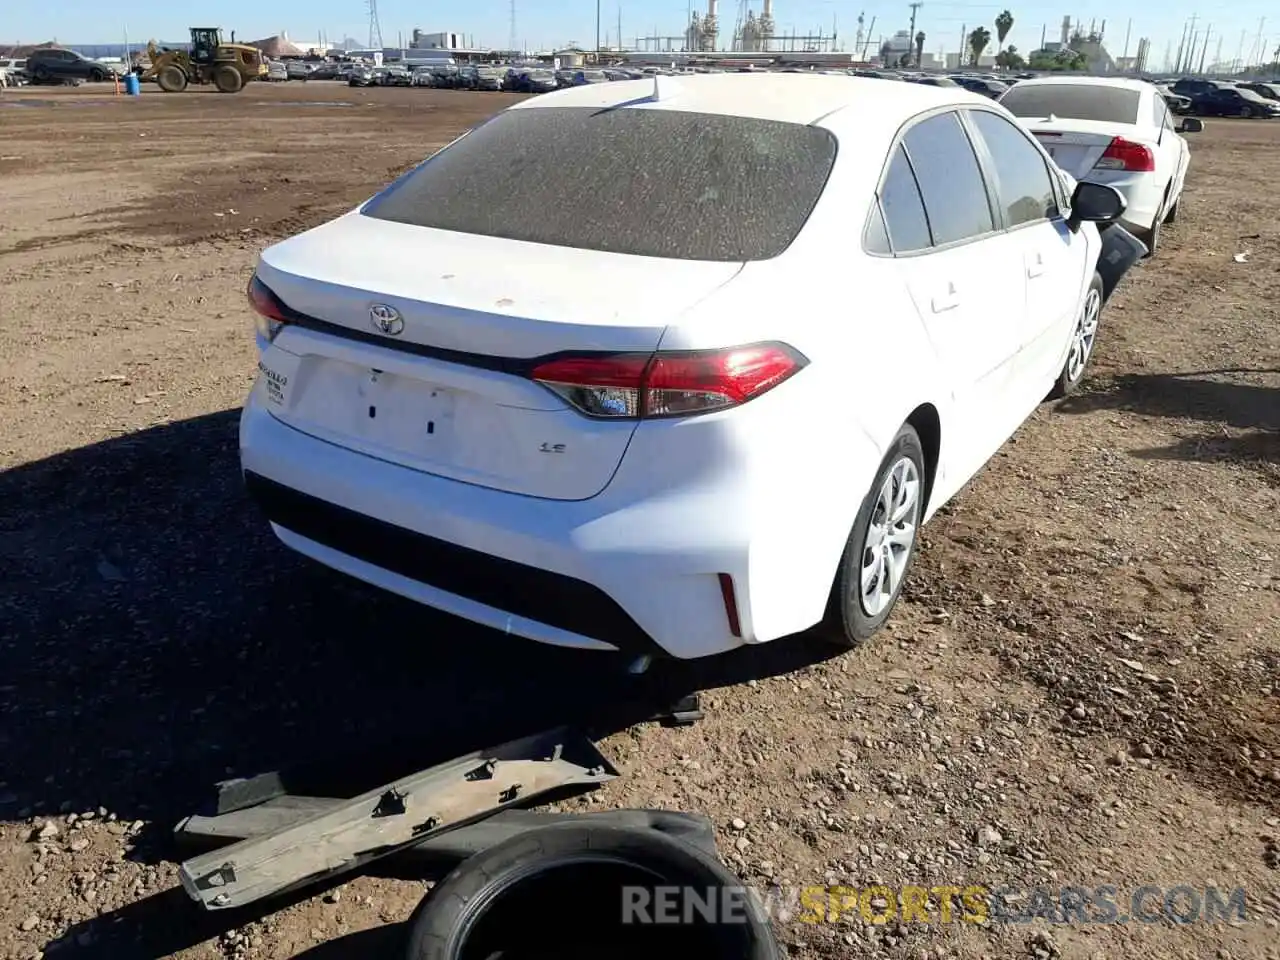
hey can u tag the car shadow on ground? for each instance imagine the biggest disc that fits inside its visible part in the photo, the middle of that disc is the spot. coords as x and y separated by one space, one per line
1205 395
159 639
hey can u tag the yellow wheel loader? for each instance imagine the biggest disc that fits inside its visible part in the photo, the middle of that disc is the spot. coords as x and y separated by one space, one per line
228 66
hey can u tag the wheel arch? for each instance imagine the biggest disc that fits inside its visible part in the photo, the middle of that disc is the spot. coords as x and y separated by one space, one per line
927 424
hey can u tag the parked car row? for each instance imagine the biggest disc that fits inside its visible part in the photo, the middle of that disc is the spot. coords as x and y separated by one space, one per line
55 65
1226 98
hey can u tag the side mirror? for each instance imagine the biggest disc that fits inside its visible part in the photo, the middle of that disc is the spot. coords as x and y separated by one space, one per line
1191 125
1095 203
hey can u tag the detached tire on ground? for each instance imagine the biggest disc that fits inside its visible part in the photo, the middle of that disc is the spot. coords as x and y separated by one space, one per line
574 891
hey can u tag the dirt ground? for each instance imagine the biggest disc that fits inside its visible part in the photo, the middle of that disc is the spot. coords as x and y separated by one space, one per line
1081 687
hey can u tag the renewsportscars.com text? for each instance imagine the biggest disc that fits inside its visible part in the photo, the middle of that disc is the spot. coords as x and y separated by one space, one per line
1180 904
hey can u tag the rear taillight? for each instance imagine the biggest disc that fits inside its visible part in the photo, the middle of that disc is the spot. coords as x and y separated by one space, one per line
1122 154
673 384
269 313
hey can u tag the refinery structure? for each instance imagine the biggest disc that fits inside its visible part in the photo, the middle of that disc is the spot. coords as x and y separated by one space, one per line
746 33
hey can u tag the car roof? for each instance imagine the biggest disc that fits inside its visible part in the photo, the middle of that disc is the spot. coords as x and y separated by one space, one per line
1126 83
788 97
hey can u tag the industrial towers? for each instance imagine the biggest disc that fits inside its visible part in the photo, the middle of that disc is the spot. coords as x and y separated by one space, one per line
375 28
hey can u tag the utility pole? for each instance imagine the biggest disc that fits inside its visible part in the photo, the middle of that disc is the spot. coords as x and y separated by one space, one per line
597 32
1125 55
1237 65
1257 52
1204 50
911 54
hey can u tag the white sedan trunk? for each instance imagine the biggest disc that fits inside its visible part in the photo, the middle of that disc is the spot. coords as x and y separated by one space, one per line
450 394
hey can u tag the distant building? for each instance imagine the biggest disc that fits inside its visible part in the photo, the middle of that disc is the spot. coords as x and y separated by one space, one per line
436 41
956 61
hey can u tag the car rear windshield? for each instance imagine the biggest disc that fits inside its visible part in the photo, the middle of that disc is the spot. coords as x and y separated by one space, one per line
657 183
1072 101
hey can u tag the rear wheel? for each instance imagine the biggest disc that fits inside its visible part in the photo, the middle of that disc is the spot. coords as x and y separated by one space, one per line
172 79
1245 112
879 551
1084 338
1151 237
1171 214
228 80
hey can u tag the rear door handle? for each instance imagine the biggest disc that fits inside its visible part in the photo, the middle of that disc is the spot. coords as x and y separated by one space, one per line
1035 265
946 299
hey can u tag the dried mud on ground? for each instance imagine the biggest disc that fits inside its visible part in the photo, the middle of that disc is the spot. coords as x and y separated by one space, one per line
1081 687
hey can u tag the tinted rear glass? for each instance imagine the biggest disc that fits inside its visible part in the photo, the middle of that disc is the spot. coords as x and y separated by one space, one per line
1073 102
658 183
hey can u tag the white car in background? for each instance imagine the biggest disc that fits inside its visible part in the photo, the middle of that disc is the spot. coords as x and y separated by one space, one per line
1119 132
646 390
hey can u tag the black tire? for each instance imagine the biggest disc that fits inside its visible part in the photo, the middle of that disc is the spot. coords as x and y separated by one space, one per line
172 79
557 892
228 80
97 76
848 621
41 74
1245 112
1074 368
1171 215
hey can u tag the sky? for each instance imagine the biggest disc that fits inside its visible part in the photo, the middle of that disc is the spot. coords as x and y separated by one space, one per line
543 24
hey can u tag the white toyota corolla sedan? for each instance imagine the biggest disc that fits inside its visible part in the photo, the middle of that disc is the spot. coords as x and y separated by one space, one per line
691 374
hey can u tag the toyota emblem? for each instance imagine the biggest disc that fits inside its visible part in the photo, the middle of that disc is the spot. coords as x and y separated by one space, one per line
386 319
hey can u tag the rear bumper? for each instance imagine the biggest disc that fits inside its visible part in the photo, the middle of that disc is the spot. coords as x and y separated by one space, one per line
636 568
603 574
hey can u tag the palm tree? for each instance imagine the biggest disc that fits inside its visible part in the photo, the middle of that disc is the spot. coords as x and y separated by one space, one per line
1004 23
978 40
919 48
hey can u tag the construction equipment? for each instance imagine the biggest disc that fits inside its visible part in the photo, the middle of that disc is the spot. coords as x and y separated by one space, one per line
228 66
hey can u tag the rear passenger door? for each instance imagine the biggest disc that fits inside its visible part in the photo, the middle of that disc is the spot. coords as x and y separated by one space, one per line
965 278
1054 259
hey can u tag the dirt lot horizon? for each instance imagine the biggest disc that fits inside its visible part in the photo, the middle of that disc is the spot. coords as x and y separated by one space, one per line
1081 687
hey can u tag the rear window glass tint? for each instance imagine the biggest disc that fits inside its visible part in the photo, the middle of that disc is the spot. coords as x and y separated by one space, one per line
659 183
1073 102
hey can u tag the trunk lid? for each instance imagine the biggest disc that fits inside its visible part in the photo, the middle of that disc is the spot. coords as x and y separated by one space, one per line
1076 145
448 394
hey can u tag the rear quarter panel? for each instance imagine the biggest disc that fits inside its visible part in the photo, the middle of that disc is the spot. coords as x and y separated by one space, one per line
825 430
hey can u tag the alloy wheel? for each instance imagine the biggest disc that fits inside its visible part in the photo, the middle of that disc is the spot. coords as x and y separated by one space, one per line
891 535
1084 336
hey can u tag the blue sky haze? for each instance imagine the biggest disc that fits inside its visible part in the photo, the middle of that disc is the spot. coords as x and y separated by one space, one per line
542 24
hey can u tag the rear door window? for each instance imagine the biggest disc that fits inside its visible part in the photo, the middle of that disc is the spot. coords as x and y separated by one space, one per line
951 182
